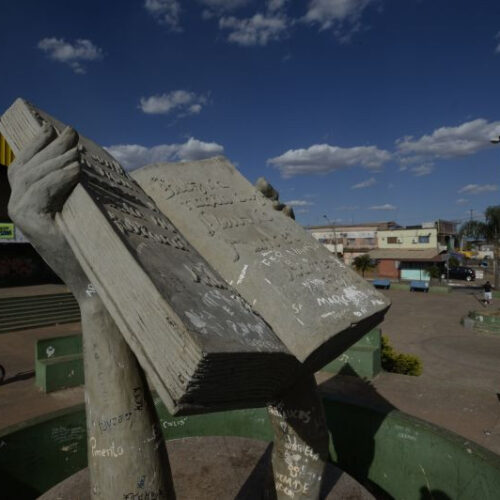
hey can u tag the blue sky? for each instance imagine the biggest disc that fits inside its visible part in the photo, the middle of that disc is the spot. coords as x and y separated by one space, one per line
361 110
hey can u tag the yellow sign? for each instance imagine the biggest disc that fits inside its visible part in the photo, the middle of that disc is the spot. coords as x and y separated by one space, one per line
7 231
6 155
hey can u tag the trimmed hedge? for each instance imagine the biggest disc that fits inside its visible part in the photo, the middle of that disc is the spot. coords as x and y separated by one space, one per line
394 362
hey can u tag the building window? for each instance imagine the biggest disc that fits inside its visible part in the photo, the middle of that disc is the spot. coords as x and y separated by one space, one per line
424 239
392 239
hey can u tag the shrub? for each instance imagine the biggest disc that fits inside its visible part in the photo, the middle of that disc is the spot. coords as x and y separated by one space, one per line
434 271
394 362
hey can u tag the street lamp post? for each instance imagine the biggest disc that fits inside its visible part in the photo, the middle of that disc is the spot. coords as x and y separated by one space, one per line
334 233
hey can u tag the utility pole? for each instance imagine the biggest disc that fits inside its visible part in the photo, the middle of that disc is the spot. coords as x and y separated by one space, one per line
334 233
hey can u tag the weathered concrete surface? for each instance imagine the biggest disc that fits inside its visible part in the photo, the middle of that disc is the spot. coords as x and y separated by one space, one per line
316 305
219 468
300 450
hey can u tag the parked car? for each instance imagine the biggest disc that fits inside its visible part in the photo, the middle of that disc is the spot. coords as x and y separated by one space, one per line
462 273
484 264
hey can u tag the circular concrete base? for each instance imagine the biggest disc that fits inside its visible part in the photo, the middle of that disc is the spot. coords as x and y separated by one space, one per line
221 468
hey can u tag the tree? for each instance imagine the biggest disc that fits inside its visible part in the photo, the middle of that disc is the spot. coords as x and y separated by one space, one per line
363 263
434 271
488 230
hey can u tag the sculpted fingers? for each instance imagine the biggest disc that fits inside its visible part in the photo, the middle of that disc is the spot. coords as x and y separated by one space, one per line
49 193
44 137
60 185
39 172
288 211
266 189
60 145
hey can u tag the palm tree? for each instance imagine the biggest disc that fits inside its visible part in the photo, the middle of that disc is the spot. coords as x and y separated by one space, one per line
363 263
488 230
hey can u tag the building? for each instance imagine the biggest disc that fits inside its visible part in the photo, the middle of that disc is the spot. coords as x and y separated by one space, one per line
408 238
350 240
408 252
447 234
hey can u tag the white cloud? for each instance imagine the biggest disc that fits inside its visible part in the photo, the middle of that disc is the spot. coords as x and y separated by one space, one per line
182 101
462 201
343 16
424 169
478 188
133 155
386 206
364 184
449 142
275 5
323 158
165 12
298 203
71 53
257 30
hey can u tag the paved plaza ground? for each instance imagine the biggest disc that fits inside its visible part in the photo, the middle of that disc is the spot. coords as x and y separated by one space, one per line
460 385
459 388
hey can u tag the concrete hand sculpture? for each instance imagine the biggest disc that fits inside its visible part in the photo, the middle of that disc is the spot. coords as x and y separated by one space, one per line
126 449
41 177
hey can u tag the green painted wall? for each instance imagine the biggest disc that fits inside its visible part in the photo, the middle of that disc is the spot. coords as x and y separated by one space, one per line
59 363
362 359
42 452
483 322
406 458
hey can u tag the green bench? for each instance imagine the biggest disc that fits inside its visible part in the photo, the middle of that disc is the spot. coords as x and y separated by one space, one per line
59 363
363 359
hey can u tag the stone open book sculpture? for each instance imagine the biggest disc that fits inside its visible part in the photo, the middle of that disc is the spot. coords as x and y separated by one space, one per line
224 302
198 341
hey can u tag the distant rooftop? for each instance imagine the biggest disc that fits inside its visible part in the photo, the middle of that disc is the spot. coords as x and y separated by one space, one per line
444 226
390 224
424 255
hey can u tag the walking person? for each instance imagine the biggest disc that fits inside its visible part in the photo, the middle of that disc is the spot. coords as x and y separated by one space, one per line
487 293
